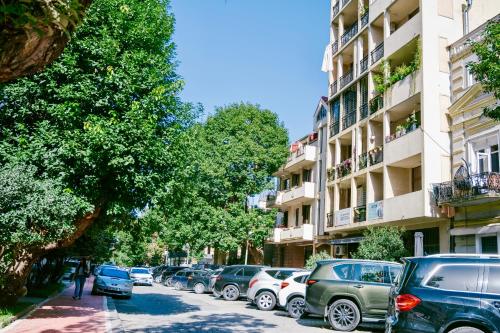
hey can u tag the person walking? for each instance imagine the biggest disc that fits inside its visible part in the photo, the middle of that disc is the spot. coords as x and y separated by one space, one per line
81 274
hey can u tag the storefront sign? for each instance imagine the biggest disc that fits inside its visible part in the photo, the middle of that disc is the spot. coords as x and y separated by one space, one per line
343 217
375 210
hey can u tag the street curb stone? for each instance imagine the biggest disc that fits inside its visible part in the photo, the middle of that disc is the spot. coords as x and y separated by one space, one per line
113 322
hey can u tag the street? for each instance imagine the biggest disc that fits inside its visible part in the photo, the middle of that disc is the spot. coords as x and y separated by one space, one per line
162 309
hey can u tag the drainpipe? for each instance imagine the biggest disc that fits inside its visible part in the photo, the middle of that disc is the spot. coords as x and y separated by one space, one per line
465 14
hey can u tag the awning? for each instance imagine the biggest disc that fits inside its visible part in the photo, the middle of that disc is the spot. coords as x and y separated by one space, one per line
488 229
349 240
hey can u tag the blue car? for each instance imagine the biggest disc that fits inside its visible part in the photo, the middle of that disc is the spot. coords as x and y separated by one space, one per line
181 278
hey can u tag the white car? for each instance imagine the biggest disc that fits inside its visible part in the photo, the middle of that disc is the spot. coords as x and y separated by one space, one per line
264 286
141 275
292 293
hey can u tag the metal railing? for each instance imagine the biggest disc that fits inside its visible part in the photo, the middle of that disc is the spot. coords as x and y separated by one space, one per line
335 47
359 214
348 120
363 65
467 188
376 103
376 155
343 169
402 132
363 110
336 8
346 79
345 2
334 128
329 220
333 88
364 19
362 161
377 53
351 32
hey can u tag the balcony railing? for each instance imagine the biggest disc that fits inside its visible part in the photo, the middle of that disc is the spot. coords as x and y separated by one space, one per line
362 161
377 53
330 220
346 79
376 103
363 65
336 8
345 2
468 188
335 47
333 88
359 214
376 155
364 19
363 110
348 120
343 169
334 128
351 32
401 132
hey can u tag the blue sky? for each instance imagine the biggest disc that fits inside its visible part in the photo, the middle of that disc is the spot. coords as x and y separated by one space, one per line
261 51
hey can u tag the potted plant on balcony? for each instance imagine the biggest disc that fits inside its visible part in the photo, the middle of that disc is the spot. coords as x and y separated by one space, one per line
330 173
400 131
411 122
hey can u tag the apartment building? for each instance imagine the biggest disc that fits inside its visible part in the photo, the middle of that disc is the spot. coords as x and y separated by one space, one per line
388 120
300 196
471 199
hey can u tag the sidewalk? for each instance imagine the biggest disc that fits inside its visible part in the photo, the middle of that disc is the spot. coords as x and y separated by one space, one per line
63 314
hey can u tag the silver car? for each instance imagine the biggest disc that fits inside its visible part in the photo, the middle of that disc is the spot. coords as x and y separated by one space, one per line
141 275
264 286
113 281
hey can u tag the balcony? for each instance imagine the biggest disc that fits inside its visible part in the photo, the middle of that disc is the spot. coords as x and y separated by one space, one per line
377 53
359 214
335 47
330 218
376 103
363 110
298 194
471 190
343 169
346 79
304 156
409 145
303 232
333 88
272 200
334 128
348 120
345 2
405 206
335 9
362 161
351 32
343 217
404 89
364 19
403 35
376 155
363 65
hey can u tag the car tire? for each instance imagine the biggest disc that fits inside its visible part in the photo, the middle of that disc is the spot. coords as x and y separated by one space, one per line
199 288
178 286
466 329
344 315
168 282
266 301
296 307
230 293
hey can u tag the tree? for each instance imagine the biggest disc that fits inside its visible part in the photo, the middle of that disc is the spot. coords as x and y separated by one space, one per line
487 69
312 260
382 243
34 32
93 133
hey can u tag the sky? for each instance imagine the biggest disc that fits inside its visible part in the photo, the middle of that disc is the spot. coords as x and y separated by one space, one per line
267 52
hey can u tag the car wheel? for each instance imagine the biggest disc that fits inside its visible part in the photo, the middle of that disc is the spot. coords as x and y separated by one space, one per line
344 315
465 329
230 293
199 288
295 307
158 279
168 283
266 301
178 286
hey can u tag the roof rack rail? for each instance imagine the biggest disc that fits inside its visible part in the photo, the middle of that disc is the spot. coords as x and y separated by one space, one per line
467 255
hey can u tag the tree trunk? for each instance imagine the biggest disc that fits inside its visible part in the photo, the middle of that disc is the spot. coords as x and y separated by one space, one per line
13 279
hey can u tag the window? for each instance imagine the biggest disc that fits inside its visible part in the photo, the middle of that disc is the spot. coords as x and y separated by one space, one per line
416 179
393 273
493 286
489 245
485 157
286 184
282 275
342 272
298 279
250 271
335 110
306 214
306 175
468 78
285 219
455 277
371 273
297 217
295 180
465 244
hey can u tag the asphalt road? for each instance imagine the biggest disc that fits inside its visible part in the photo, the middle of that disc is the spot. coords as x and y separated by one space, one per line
161 309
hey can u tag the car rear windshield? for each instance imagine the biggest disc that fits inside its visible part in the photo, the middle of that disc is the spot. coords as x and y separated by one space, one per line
280 274
112 272
139 271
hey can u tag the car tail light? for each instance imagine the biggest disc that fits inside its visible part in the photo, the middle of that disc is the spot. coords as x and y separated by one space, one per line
311 282
284 284
406 302
254 281
190 277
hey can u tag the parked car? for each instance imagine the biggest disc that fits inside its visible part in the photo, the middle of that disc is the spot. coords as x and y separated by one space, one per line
70 269
181 278
141 275
166 277
293 292
446 293
349 292
113 281
213 278
232 282
157 273
199 283
264 286
97 269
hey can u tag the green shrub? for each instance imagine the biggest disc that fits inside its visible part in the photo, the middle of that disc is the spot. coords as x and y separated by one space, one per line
311 261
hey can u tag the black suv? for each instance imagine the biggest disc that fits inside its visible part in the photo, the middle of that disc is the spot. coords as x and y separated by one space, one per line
232 282
446 293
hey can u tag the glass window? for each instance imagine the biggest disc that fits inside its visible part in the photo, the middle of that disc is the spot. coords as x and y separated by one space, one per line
282 275
371 273
240 272
393 273
493 280
298 279
455 277
342 272
113 272
140 271
272 272
465 244
489 245
250 271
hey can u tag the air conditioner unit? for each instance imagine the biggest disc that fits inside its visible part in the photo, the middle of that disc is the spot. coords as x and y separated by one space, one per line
340 250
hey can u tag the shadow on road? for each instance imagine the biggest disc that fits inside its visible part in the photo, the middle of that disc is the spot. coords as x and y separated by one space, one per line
154 304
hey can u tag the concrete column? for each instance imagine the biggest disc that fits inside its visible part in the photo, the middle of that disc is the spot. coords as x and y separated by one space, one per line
387 24
341 27
337 152
354 192
370 193
340 69
360 50
336 197
387 125
355 61
387 184
354 149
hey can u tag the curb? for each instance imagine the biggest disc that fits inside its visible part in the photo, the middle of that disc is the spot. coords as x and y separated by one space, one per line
113 322
30 309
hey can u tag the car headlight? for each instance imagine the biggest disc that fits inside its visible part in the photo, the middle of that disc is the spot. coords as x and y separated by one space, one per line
100 281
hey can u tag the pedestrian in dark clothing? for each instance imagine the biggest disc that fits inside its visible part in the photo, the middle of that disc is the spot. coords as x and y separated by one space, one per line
81 274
